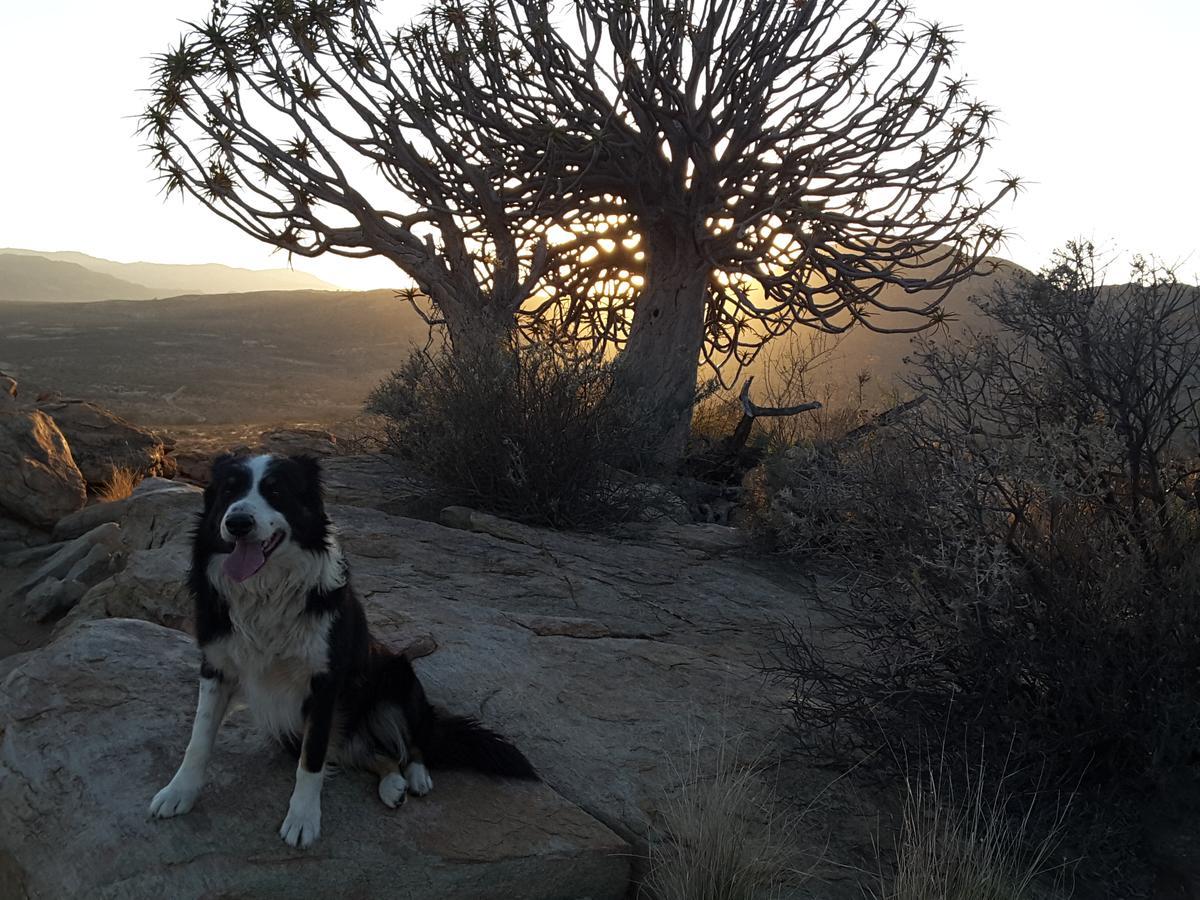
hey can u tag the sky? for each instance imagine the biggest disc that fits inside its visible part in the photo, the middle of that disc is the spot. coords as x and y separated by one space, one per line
1097 100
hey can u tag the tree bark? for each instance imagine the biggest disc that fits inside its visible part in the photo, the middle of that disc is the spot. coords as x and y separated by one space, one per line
476 327
657 369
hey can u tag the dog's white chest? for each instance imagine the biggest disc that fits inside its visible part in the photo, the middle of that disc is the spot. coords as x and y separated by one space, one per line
274 660
273 650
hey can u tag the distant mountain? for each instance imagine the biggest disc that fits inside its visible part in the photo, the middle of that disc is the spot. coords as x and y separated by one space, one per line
37 278
165 280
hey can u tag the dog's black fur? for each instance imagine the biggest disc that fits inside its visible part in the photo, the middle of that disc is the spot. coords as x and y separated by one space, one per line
364 705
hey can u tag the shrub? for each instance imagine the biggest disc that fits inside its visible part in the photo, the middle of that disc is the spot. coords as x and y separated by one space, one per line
1027 542
528 434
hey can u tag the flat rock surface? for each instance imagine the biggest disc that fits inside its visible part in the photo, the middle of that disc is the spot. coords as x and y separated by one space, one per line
93 724
607 659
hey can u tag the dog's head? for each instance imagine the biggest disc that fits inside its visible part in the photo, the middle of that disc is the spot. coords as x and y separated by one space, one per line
254 505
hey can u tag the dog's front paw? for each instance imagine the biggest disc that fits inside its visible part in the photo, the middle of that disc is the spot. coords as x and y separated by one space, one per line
176 798
302 825
419 781
392 789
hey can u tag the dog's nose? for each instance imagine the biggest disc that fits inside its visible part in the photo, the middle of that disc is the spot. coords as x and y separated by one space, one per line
239 524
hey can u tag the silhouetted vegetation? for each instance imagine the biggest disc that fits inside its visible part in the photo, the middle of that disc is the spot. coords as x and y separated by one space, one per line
790 163
1027 539
531 435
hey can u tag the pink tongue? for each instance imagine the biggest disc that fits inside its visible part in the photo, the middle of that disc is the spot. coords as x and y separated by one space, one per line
246 559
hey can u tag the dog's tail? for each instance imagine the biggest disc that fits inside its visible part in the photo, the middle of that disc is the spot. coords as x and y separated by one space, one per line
457 742
444 741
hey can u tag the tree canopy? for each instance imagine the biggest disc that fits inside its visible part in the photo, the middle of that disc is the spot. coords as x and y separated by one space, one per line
672 179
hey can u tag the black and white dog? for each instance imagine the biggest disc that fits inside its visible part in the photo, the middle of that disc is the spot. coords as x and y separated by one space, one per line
279 625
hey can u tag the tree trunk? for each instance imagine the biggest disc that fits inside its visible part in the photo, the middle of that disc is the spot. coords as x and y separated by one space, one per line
475 328
657 369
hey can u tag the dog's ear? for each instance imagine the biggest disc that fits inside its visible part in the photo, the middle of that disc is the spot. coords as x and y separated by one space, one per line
220 464
310 470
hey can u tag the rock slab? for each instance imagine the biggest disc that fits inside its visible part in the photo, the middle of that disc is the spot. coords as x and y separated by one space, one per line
94 724
102 441
39 481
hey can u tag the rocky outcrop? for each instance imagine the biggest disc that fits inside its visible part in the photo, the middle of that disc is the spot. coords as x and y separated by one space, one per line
93 724
101 441
607 659
17 535
39 481
65 575
8 387
149 586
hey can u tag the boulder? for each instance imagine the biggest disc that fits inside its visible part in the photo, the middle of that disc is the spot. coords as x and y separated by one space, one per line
160 512
84 520
66 555
40 482
8 387
93 724
62 578
152 585
52 597
132 563
102 441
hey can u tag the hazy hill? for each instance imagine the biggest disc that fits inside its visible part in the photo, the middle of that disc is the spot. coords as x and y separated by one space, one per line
296 355
37 278
165 280
882 355
241 358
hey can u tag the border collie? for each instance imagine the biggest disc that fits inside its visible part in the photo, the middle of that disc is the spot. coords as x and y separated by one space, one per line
279 626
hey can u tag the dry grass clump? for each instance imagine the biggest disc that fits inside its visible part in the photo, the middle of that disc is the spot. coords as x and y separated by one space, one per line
722 836
119 484
974 847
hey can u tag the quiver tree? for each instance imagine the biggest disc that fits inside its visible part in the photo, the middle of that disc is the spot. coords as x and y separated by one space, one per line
673 179
782 162
310 129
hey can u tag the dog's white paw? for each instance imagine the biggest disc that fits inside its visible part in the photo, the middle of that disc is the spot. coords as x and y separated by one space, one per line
419 782
176 798
392 789
302 825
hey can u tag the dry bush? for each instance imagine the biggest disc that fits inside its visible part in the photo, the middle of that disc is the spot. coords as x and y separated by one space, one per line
791 374
529 434
1026 548
120 484
796 371
714 418
722 835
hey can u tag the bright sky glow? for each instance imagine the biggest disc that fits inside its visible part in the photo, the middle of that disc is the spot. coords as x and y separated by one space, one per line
1097 106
